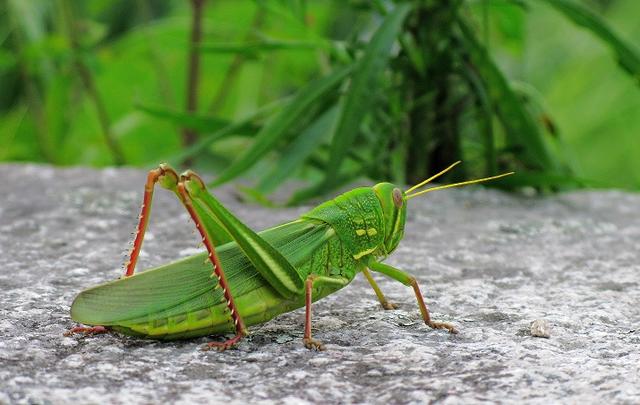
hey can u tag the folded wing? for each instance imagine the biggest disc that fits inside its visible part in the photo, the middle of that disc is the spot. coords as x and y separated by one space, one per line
187 285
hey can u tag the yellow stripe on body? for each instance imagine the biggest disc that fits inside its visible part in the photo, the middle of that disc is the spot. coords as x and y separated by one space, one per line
364 253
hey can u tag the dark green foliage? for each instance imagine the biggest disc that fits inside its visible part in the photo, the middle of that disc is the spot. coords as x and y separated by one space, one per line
326 92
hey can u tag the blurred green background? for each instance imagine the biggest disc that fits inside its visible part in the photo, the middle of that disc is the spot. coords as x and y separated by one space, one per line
106 82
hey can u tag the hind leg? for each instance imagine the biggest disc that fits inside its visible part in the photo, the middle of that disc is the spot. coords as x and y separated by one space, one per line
206 233
168 178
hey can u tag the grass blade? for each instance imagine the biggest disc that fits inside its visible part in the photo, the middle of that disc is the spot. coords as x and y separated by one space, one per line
628 57
200 123
318 188
253 49
519 125
238 127
485 117
546 180
358 100
277 128
294 155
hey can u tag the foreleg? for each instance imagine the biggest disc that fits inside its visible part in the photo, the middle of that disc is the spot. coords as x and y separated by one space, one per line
409 280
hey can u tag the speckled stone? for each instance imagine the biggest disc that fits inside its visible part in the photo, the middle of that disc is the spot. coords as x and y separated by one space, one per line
489 262
540 328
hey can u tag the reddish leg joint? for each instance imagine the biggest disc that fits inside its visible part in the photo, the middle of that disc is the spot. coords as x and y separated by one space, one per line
86 331
218 271
222 346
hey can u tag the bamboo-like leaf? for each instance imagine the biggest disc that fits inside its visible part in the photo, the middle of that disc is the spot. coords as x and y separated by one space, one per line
276 129
299 150
358 100
520 126
628 57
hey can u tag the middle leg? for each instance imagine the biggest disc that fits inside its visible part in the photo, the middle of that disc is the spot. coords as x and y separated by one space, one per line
311 282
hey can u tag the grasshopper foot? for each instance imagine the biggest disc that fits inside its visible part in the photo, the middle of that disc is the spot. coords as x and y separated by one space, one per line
443 325
389 305
222 346
86 331
311 344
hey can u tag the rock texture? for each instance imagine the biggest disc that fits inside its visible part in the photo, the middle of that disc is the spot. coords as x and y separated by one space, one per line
489 262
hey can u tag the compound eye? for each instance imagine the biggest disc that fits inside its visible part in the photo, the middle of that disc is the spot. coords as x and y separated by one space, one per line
397 197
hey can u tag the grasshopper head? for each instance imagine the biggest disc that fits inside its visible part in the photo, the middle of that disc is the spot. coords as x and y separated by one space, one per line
394 210
394 203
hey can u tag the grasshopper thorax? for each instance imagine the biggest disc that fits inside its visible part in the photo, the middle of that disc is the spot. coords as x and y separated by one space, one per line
394 211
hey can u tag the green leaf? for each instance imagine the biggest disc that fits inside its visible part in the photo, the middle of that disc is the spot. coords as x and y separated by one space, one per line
358 100
276 129
509 20
255 196
299 150
546 179
7 60
518 123
318 188
201 123
485 117
91 32
627 56
253 49
237 127
297 7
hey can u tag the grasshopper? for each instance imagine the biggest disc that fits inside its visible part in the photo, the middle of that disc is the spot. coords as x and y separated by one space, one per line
246 278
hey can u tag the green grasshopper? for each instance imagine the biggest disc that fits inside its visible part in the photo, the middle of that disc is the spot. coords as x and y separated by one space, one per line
252 277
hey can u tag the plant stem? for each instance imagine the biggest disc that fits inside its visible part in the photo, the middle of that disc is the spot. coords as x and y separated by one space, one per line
34 101
103 117
164 81
236 64
32 95
485 23
193 74
87 81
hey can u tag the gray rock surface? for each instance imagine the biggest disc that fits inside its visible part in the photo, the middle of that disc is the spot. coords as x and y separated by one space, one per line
489 262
